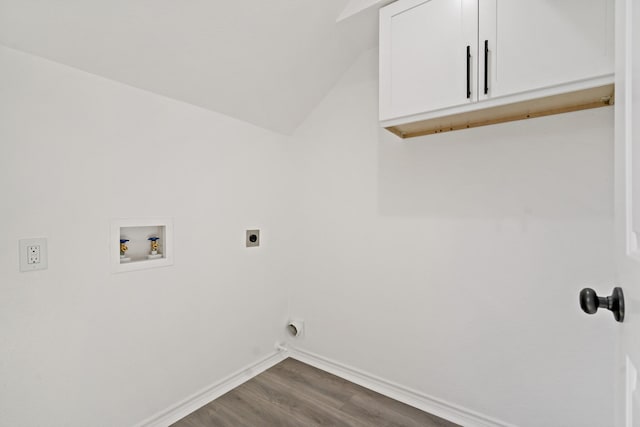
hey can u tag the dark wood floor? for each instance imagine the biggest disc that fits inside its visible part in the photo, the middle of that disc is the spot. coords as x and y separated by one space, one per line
295 394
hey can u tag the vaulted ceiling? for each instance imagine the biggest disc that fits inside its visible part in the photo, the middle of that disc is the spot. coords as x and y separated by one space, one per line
267 62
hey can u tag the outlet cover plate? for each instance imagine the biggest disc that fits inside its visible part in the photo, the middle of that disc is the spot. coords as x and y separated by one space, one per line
253 238
24 246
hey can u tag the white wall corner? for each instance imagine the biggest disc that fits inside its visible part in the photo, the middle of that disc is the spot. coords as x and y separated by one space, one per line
356 6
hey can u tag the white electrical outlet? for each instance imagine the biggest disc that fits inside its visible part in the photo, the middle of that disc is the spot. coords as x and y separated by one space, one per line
33 254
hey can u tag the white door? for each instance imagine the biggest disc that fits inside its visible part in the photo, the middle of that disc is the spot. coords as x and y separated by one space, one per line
627 117
423 56
543 43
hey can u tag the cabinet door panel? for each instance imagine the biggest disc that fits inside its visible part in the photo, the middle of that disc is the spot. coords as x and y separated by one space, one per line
423 62
535 44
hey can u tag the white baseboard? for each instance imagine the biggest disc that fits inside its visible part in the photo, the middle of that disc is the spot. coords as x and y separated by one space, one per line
199 399
430 404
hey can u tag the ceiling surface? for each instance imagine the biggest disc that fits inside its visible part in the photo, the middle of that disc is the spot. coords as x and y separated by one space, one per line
265 62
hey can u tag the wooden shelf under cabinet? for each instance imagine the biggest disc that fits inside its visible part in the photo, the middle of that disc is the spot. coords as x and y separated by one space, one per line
595 97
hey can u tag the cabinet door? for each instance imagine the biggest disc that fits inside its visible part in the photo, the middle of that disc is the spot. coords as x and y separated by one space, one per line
534 44
423 55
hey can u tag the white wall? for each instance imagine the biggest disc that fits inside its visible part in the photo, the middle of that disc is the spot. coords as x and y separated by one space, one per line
81 346
451 264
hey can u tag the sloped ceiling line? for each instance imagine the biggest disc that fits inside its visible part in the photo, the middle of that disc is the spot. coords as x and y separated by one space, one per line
267 63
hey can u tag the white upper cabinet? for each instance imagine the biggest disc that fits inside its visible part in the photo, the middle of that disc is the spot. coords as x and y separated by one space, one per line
535 44
423 55
432 60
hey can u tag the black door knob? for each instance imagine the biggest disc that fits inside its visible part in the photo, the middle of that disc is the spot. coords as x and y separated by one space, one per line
590 302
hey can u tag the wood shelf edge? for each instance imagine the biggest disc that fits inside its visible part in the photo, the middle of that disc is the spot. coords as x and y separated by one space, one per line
600 96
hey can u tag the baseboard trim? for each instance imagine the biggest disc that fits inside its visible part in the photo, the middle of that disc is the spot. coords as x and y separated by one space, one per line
433 405
199 399
448 411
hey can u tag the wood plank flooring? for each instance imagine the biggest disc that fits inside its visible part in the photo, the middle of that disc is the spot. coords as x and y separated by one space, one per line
293 393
